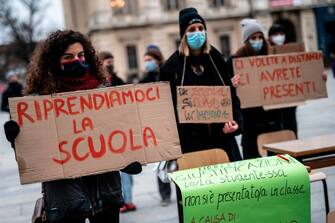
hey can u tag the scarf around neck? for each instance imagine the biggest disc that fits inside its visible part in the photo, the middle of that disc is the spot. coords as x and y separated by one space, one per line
85 82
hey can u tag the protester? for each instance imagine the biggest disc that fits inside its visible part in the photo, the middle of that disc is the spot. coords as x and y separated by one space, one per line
112 80
255 120
198 63
14 89
107 60
66 61
277 36
153 59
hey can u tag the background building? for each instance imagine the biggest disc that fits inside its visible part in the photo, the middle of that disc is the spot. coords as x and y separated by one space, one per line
126 27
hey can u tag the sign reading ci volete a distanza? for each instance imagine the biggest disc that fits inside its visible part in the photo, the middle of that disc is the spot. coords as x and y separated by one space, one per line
204 104
270 189
86 132
280 79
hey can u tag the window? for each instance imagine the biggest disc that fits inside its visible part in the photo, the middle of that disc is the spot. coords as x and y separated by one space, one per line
172 5
129 7
132 64
132 57
217 3
225 46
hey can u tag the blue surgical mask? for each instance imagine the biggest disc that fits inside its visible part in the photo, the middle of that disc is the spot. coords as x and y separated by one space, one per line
196 40
256 45
150 65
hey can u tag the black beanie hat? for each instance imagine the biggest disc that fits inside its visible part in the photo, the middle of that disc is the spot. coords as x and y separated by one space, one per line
276 28
189 16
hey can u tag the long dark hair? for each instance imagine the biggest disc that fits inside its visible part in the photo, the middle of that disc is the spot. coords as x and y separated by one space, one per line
45 62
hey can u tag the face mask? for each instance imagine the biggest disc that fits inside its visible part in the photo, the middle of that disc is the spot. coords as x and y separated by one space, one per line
196 40
110 68
150 65
75 68
278 39
256 45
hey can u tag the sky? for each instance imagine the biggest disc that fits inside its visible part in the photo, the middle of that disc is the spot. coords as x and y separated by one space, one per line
53 17
55 14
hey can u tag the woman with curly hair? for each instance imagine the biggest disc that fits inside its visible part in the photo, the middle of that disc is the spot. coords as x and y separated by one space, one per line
66 61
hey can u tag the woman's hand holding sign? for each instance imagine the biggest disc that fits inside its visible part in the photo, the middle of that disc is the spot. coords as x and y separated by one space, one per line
230 127
236 80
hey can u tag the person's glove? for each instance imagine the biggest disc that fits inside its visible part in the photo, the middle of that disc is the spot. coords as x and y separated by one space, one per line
133 168
12 130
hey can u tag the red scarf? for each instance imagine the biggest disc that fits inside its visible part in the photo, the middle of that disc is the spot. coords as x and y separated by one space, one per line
85 82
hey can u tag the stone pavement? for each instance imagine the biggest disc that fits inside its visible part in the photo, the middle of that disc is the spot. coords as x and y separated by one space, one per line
17 201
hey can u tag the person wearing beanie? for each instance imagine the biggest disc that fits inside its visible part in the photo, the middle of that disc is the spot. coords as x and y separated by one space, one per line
196 62
112 80
153 59
277 35
255 120
252 38
107 60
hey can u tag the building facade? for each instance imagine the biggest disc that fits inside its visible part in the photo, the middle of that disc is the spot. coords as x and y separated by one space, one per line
126 27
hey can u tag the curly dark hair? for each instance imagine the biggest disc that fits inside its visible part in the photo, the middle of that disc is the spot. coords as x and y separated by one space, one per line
45 62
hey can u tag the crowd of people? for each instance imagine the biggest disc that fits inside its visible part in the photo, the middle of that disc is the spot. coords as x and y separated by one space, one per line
67 61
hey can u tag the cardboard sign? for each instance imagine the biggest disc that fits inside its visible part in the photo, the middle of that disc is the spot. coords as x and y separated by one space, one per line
287 48
267 189
204 104
86 132
280 79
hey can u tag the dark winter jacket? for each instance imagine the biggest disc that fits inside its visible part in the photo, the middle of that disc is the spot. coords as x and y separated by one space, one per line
195 137
149 77
83 196
14 89
115 81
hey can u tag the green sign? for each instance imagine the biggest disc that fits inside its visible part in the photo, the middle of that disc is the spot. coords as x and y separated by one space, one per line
272 189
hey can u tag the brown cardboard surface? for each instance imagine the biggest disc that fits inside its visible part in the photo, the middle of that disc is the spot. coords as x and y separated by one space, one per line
204 104
287 48
94 131
280 79
248 82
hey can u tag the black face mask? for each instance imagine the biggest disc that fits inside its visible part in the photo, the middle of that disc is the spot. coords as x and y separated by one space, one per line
75 68
110 68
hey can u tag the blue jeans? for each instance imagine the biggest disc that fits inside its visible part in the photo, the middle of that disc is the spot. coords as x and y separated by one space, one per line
127 187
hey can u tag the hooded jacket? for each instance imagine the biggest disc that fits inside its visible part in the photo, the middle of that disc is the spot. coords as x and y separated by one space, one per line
194 137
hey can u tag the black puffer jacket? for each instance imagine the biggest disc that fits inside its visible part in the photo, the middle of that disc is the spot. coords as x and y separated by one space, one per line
195 137
83 196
